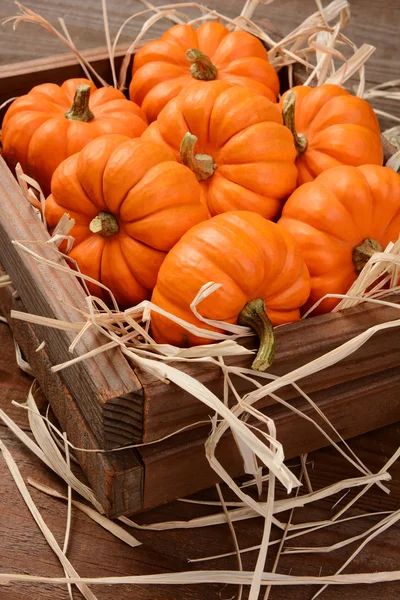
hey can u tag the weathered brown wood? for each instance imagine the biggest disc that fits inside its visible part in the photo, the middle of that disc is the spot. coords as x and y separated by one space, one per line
297 344
353 408
44 291
116 477
93 551
121 417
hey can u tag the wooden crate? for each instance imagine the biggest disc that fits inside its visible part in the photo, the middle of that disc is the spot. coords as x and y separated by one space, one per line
103 403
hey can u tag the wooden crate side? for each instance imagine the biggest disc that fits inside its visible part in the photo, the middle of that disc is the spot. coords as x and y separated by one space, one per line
297 344
117 477
353 408
45 291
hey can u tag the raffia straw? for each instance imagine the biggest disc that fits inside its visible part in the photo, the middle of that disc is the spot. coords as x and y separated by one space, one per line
262 555
52 458
5 281
55 431
7 102
67 35
221 576
28 16
393 135
308 528
108 41
284 536
246 512
21 362
233 534
385 524
394 162
98 518
69 569
339 545
69 513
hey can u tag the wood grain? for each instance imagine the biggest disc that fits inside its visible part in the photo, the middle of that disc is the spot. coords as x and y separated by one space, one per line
353 408
95 552
44 291
296 345
116 478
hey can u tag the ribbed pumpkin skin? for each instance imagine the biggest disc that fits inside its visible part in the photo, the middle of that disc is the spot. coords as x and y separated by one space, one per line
250 256
155 200
38 135
335 213
340 128
161 69
243 132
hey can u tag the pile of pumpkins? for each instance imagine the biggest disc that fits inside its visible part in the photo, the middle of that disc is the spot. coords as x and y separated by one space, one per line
203 176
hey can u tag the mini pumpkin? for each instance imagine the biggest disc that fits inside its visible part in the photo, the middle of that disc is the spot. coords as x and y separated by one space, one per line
131 201
263 275
340 220
330 127
53 122
234 141
164 67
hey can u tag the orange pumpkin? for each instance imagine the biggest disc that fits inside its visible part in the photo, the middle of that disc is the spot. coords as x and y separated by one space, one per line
234 141
340 220
259 266
131 201
162 68
51 123
330 128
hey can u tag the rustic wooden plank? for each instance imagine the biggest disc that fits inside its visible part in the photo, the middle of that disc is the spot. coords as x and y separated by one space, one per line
117 477
296 344
353 408
23 549
44 291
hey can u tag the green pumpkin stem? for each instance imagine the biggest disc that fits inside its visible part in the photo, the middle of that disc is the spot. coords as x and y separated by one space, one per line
80 110
105 224
202 165
201 67
363 252
288 114
254 316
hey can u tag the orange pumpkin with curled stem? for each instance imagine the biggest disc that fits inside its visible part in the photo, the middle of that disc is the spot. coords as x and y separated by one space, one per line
183 55
263 275
339 221
330 127
131 201
234 141
52 122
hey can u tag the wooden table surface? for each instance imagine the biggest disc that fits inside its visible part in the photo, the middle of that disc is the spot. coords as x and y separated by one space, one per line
95 552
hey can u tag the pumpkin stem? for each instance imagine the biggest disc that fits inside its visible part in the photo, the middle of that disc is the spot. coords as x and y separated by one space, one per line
201 67
202 165
288 113
80 110
254 315
363 252
104 224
